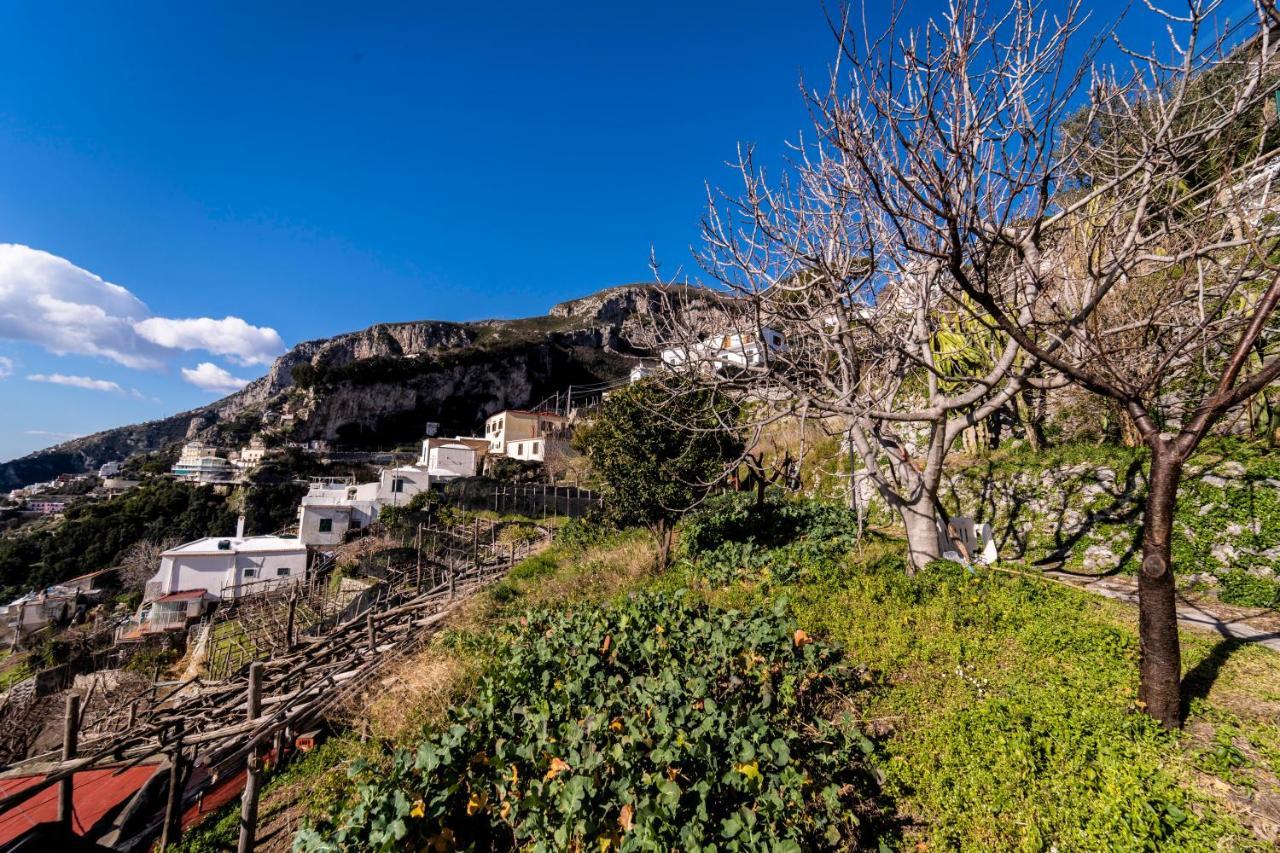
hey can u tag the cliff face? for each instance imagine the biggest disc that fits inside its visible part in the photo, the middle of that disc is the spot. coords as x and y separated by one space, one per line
379 386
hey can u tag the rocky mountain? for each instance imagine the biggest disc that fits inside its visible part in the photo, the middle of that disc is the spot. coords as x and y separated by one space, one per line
379 386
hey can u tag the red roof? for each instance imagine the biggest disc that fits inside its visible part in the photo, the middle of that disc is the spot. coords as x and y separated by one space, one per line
94 793
187 595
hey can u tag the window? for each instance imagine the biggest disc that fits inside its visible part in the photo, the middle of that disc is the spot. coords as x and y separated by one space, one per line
250 573
397 485
326 525
537 447
282 572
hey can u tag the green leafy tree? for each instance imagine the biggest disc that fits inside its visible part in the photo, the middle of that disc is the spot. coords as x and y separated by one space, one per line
658 455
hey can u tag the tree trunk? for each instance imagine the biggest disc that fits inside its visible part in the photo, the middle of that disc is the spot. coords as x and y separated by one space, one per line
1161 666
663 532
921 523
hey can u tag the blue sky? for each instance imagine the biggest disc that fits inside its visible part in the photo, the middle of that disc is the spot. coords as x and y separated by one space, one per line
311 168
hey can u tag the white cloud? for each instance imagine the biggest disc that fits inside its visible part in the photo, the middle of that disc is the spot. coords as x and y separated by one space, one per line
51 302
231 337
210 377
86 382
46 433
6 367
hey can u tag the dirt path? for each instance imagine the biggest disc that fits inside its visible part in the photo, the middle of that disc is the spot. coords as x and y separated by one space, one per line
1248 626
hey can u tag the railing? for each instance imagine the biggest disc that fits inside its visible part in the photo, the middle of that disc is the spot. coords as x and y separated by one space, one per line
155 623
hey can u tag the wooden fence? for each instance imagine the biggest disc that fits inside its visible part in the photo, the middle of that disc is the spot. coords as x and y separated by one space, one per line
535 500
222 726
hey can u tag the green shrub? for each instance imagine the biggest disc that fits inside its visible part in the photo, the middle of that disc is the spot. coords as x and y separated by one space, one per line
734 517
659 723
732 539
1246 590
579 534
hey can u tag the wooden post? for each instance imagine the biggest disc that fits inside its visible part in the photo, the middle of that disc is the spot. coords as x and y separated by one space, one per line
451 586
373 637
173 806
418 547
70 732
249 803
288 630
475 540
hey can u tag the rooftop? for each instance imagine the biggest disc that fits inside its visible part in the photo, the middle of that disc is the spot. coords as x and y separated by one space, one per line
239 545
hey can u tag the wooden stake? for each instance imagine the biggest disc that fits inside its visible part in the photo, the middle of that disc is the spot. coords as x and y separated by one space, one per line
173 806
373 639
70 731
288 631
249 803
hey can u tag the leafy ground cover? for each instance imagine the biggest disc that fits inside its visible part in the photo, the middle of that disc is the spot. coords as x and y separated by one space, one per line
1001 707
656 723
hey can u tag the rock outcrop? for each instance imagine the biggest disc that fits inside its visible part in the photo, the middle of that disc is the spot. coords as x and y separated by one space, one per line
378 387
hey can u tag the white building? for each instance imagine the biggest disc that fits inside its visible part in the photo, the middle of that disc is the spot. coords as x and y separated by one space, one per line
742 350
221 566
110 469
200 463
517 425
252 454
450 458
330 509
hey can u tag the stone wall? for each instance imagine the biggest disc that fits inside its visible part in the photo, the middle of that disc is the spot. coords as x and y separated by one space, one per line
1082 507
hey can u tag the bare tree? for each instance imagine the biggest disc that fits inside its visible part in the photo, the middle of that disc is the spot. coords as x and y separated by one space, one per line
1102 227
1111 224
830 312
139 562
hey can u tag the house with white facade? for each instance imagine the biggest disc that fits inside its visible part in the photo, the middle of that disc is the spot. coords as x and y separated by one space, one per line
222 566
330 509
110 469
743 350
518 425
195 577
448 459
252 454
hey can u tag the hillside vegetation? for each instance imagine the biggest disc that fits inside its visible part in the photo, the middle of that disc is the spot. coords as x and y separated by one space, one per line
804 689
94 534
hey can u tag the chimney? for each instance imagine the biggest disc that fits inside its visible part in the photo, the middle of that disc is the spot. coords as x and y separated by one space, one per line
240 527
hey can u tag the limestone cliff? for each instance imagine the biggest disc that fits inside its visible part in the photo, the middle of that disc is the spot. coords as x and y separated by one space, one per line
379 386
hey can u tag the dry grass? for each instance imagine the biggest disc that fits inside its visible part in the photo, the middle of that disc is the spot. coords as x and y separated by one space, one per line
601 572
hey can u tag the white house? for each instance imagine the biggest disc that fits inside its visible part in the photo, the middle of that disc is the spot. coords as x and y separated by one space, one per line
252 454
223 565
397 485
330 509
516 425
642 371
450 458
110 469
736 349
